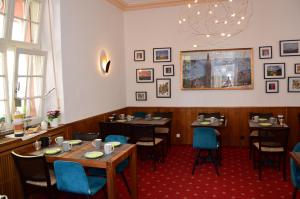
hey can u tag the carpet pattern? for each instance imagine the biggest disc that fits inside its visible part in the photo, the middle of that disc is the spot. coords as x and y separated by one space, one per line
173 178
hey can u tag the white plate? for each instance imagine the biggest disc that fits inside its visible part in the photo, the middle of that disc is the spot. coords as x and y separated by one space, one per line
75 142
121 120
115 144
52 151
156 118
93 154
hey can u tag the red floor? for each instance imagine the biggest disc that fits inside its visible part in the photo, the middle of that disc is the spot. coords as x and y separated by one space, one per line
173 179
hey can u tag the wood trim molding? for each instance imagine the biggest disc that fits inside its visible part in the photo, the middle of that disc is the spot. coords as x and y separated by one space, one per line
139 6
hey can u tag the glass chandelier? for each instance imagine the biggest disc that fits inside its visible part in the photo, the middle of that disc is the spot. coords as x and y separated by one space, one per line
216 19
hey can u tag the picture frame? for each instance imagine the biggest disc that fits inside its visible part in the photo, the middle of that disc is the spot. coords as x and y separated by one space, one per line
265 52
297 68
294 84
289 48
139 55
217 69
162 54
141 96
274 70
168 70
272 86
145 75
163 88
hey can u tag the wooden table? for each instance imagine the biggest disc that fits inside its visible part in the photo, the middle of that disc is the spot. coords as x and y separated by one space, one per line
154 122
256 125
108 162
217 124
296 157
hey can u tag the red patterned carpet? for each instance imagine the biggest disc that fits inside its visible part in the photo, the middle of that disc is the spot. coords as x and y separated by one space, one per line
173 179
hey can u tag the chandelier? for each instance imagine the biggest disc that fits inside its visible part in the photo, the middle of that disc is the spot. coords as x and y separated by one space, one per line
216 19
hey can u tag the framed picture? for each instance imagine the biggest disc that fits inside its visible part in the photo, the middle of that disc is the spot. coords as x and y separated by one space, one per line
162 55
163 88
139 55
289 48
297 68
265 52
223 69
272 86
168 70
274 70
141 96
145 75
294 84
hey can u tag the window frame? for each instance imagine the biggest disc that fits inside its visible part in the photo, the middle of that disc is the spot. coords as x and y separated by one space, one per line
36 52
5 87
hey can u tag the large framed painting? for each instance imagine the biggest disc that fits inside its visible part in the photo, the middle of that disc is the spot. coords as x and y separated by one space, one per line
223 69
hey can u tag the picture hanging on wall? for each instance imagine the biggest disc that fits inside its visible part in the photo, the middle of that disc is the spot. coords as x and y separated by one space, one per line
162 55
274 70
265 52
141 96
220 69
289 48
294 84
139 55
168 70
272 86
145 75
163 88
297 68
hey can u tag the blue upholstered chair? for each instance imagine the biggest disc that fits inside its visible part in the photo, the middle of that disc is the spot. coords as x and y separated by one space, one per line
205 139
140 114
120 168
71 177
295 172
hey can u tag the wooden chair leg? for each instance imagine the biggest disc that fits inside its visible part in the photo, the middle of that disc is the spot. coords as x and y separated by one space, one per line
284 167
125 182
259 166
250 148
215 162
196 162
295 193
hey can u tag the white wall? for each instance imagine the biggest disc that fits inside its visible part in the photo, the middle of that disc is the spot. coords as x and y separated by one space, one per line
87 27
273 20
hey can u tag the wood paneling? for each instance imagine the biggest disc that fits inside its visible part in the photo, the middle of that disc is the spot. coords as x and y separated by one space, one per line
237 131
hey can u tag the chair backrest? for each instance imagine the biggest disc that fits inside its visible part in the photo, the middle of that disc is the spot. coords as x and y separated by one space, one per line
116 138
205 138
273 137
32 168
142 133
112 128
163 114
71 177
261 115
140 114
295 170
85 136
208 115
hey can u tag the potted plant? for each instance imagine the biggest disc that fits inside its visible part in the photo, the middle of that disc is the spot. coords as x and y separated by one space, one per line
53 118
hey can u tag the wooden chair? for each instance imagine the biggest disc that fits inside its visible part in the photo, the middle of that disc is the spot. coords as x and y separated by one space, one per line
35 174
254 134
164 132
144 137
85 136
271 142
113 128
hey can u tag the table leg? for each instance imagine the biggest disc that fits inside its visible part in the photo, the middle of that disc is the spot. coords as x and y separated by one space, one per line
132 165
111 181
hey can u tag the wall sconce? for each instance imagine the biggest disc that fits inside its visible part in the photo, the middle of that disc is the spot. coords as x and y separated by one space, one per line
104 62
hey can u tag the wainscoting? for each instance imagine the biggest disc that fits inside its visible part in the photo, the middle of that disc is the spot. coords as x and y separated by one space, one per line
237 131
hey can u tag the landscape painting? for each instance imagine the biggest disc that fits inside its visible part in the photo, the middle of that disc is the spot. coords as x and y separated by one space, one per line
226 69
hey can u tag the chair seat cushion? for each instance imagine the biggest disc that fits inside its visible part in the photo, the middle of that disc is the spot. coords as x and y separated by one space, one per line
157 141
162 130
254 133
95 184
102 172
269 149
43 183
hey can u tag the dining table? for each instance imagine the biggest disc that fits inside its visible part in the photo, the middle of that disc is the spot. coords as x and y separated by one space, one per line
217 123
155 121
253 125
107 162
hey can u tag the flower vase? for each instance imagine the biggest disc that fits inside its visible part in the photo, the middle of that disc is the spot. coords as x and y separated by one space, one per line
54 122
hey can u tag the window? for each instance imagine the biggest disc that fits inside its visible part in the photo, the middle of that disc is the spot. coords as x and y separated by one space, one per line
22 64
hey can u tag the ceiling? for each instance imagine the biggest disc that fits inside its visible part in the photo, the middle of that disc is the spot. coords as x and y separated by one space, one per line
145 4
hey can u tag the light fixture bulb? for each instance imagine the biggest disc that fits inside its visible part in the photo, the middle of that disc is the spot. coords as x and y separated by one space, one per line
242 18
189 5
180 22
198 13
183 19
207 36
196 1
210 12
216 5
223 34
225 22
216 21
195 46
230 0
233 15
228 35
239 22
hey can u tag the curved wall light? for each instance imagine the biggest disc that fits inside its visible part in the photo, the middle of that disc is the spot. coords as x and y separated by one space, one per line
104 62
